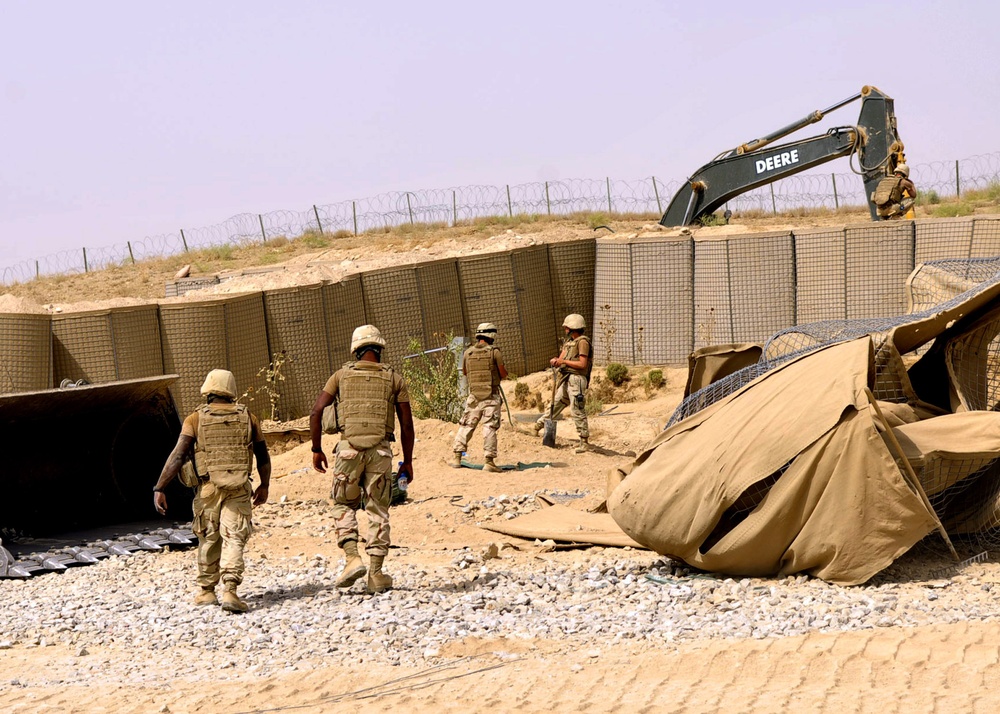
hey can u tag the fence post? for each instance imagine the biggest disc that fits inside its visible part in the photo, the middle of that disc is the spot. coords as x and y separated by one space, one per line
130 253
608 180
958 186
774 207
656 192
454 209
38 273
86 269
409 207
836 200
183 240
510 206
260 218
548 204
318 221
354 212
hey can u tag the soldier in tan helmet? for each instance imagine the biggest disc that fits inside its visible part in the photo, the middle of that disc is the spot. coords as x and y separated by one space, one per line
368 395
223 435
573 365
484 367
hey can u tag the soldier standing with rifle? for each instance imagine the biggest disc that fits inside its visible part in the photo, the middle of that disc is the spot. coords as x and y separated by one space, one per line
223 434
484 367
367 396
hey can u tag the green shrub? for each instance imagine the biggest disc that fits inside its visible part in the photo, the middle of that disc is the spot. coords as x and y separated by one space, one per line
313 239
593 405
712 219
931 198
655 378
432 380
616 373
596 220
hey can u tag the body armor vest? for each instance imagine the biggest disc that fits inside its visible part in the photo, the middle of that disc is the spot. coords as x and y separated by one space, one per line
479 368
365 411
573 352
887 194
223 444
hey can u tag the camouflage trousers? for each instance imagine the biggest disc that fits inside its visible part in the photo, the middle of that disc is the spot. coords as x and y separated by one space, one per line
362 479
572 393
476 410
222 522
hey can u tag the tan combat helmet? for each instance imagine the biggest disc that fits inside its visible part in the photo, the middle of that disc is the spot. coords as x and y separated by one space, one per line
366 335
220 382
486 329
903 169
575 322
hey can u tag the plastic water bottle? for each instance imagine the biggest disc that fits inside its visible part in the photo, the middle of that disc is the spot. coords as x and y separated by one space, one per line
403 478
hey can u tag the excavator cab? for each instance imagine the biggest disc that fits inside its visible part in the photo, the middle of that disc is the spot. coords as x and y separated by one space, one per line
757 163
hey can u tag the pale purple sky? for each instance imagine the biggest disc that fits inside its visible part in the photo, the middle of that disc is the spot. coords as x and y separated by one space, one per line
122 119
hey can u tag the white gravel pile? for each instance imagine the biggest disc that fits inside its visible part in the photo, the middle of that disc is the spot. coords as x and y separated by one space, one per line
300 620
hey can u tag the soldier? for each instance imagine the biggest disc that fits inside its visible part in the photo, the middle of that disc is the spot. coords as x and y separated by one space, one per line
484 367
895 195
368 395
574 366
223 434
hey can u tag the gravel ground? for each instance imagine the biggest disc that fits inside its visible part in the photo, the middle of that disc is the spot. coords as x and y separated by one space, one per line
300 620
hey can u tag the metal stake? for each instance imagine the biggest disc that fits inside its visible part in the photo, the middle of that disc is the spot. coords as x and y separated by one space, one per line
261 219
183 240
510 206
608 180
318 221
409 207
548 205
656 191
836 200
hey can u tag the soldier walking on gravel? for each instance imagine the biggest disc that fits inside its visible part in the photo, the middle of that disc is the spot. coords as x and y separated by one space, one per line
224 435
573 365
484 367
367 395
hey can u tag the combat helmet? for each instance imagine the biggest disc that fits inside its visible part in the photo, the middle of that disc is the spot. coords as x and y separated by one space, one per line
903 169
220 382
575 322
366 335
487 330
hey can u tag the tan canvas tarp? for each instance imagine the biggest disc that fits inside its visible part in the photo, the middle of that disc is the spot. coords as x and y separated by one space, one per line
840 510
567 525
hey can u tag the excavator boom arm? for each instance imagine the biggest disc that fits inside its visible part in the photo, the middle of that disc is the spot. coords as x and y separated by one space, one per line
757 163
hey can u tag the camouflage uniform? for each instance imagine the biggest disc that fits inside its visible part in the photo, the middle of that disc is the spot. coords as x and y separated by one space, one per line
572 388
222 503
368 393
484 402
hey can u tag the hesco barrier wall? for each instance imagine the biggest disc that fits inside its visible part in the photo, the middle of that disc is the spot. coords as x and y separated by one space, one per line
344 306
296 331
571 271
643 300
649 299
392 304
107 345
745 287
25 352
228 333
440 301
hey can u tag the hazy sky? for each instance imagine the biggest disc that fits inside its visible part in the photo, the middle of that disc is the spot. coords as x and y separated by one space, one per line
125 119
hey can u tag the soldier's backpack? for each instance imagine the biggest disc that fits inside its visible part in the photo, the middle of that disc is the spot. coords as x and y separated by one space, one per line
887 195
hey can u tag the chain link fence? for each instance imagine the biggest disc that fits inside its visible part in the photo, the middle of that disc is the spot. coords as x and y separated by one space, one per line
453 205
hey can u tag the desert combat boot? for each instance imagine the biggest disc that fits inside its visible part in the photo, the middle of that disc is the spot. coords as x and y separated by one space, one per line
353 568
490 465
582 446
455 460
231 601
206 596
378 582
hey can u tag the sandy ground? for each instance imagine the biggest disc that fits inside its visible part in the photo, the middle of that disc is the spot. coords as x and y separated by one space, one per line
916 669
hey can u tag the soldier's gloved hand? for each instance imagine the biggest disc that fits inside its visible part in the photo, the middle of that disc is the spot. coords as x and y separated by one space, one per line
319 461
260 496
160 502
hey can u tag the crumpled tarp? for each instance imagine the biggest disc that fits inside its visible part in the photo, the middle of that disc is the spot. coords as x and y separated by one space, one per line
787 475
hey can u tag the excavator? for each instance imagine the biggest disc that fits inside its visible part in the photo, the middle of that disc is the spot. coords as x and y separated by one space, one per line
756 163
